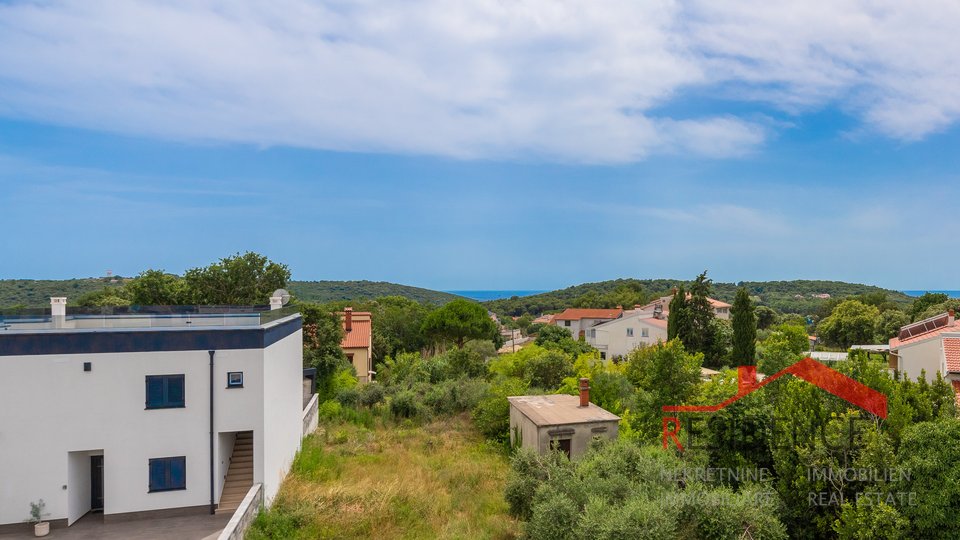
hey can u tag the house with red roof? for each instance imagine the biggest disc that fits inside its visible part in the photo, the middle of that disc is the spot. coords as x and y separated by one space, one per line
357 341
661 307
931 345
579 320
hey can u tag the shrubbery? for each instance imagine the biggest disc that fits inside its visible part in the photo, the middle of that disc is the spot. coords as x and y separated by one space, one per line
622 490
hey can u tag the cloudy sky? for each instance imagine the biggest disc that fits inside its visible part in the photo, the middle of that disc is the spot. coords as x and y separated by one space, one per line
484 144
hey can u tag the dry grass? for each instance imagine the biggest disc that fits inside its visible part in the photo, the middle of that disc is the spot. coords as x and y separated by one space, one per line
440 480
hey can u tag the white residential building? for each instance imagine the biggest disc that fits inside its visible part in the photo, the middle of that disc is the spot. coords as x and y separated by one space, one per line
579 320
146 413
618 337
661 307
930 346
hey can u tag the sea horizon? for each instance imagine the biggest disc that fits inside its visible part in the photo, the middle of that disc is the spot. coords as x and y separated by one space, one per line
494 294
920 292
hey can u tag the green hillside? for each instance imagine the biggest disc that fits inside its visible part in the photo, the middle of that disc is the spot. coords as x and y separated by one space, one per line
37 292
330 291
780 295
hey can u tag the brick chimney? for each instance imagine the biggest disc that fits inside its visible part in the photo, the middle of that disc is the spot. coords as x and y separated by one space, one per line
746 379
584 392
348 319
951 316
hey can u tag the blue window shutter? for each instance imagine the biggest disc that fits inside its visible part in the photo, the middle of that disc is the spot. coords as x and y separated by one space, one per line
155 392
158 474
175 390
178 472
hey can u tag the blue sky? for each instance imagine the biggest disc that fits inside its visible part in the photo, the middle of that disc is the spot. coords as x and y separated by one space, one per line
483 146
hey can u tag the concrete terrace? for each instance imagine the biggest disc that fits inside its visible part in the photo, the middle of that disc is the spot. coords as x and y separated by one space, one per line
92 527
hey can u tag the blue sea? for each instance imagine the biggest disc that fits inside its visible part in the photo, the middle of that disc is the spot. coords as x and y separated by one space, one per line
951 294
483 296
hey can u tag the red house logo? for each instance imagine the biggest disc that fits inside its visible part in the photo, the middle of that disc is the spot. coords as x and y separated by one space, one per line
807 369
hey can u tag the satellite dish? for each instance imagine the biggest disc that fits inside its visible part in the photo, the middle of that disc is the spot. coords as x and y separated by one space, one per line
283 295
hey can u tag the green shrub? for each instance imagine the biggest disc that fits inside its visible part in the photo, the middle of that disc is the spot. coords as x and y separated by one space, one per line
492 413
553 516
348 397
638 517
370 394
455 396
329 410
406 404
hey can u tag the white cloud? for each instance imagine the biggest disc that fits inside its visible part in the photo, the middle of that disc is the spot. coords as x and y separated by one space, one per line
559 80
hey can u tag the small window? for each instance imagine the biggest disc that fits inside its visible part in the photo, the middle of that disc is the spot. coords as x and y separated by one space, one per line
168 474
235 379
644 332
593 332
629 332
603 356
562 445
165 391
566 323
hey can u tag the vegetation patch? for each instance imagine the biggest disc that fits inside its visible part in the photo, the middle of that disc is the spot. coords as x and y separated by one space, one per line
436 480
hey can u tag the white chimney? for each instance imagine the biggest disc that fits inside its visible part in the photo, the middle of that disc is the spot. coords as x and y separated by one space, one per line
276 302
58 306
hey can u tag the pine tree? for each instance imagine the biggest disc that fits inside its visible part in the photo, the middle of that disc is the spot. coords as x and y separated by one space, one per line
744 323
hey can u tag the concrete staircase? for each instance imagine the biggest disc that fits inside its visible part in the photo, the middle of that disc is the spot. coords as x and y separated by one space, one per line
239 475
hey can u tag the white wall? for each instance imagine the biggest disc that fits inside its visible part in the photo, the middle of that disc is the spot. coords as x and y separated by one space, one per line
925 355
60 409
282 411
611 337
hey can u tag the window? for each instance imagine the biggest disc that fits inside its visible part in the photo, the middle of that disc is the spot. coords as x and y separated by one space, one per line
566 323
164 391
593 332
235 379
644 332
168 474
629 332
603 356
562 445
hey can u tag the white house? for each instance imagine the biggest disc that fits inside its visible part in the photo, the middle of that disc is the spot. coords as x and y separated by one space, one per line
152 414
579 320
661 307
932 346
620 336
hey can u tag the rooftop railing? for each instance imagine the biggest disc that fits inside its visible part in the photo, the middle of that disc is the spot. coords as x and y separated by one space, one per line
142 317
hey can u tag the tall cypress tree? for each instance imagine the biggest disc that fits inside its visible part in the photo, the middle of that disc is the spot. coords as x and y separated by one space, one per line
677 321
744 322
699 316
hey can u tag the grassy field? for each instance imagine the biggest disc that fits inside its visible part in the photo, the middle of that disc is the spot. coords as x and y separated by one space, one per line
440 480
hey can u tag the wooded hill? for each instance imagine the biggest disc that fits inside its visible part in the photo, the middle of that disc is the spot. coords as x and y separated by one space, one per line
35 293
331 291
784 296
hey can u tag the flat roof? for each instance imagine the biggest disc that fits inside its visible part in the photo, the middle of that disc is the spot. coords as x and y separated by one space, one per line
560 409
144 318
148 339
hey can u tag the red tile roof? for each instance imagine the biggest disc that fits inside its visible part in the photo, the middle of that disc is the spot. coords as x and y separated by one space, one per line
896 342
660 323
665 301
951 351
575 314
359 336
